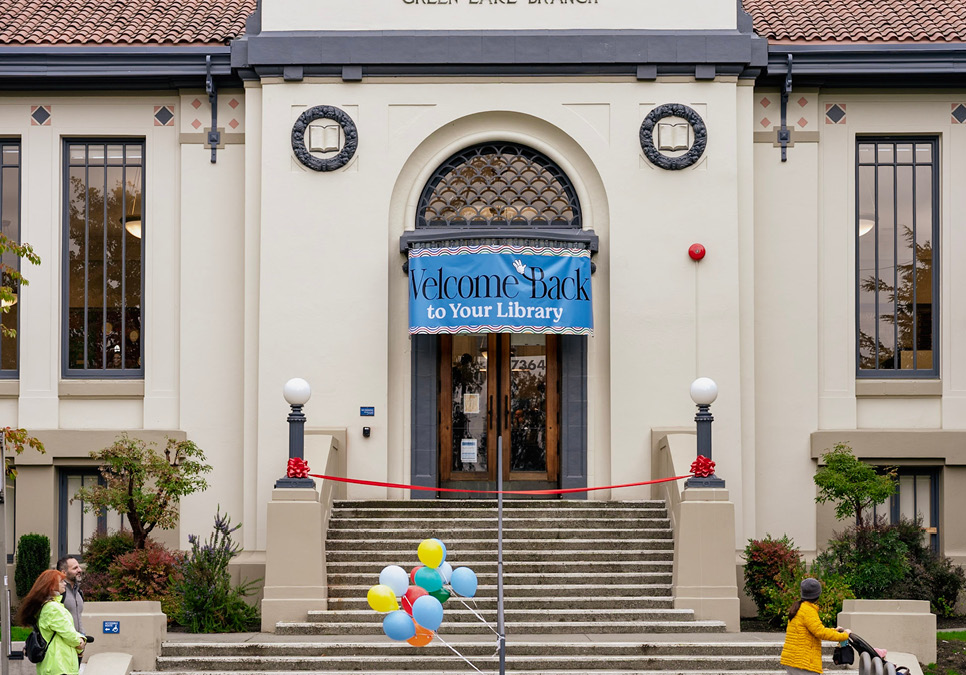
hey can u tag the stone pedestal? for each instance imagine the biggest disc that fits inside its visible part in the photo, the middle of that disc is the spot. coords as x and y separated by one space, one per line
136 627
294 557
894 625
704 557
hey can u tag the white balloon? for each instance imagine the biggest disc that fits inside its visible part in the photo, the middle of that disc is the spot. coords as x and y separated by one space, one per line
446 571
395 577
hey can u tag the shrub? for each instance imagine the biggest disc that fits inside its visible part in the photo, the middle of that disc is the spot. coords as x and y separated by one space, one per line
146 574
873 559
765 559
891 561
103 549
33 557
784 593
209 603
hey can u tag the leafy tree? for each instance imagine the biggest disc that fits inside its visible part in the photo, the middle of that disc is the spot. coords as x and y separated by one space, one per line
851 484
144 485
10 281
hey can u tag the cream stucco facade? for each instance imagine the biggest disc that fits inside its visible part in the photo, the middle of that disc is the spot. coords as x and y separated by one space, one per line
258 269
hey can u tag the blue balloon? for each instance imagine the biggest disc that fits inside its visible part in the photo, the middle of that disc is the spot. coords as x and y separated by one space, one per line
464 582
398 625
428 612
442 545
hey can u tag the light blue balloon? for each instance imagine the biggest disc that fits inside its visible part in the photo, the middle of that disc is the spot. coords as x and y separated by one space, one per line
442 545
398 625
428 612
446 571
464 582
394 577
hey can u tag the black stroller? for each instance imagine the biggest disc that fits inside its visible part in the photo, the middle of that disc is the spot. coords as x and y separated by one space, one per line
870 663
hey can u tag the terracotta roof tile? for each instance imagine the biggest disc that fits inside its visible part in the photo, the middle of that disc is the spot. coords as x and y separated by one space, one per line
859 20
122 22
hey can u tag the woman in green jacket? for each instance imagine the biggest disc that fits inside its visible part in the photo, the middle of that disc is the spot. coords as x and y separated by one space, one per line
802 654
43 607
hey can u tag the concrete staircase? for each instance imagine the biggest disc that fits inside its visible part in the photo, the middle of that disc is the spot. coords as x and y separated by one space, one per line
584 583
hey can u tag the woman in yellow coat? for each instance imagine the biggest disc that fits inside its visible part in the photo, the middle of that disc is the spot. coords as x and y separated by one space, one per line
803 637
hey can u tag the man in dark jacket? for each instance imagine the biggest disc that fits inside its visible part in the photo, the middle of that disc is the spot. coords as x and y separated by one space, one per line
73 597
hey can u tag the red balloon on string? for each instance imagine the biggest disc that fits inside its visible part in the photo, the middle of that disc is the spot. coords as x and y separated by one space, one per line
410 596
412 575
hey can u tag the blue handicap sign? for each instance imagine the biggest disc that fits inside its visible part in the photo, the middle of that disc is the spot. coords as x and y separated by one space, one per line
112 626
367 411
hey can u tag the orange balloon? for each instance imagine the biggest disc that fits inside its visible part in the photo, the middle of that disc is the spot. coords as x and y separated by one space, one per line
422 638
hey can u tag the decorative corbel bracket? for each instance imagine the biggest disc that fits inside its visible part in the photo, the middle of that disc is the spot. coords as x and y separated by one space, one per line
784 134
214 136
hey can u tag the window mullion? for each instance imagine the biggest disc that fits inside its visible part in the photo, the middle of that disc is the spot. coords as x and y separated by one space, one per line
878 227
896 365
87 246
915 266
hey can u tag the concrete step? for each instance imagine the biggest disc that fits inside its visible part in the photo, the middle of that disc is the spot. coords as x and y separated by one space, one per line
407 557
557 604
454 612
407 542
360 669
564 564
508 504
388 648
534 511
449 533
535 590
512 578
327 663
548 521
515 627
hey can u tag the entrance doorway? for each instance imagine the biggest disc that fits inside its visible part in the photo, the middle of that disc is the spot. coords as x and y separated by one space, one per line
497 385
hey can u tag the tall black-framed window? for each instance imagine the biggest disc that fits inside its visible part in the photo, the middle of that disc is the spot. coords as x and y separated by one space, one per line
916 497
75 523
104 258
897 257
10 228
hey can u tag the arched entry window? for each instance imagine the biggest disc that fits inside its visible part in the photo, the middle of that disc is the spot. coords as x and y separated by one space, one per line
504 185
468 390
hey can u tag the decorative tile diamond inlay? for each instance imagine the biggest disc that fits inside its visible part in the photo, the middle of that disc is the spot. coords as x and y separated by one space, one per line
958 113
233 103
765 102
233 124
163 116
196 124
803 101
835 113
802 122
196 104
766 122
40 115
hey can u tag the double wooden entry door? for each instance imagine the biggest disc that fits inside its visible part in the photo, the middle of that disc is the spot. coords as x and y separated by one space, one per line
497 385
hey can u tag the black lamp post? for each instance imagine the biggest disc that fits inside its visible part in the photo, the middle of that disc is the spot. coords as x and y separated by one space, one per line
297 392
703 392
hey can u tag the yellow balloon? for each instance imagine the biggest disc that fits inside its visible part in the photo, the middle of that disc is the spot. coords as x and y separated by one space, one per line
430 553
382 599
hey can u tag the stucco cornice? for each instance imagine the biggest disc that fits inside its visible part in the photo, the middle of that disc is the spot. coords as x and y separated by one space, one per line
148 67
868 64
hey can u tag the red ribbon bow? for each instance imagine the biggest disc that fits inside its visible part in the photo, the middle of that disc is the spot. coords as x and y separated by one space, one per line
298 468
702 467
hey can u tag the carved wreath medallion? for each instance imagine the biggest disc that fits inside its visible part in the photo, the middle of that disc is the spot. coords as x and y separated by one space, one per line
659 159
349 130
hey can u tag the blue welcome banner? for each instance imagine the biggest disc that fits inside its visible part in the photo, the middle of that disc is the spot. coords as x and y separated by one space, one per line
500 289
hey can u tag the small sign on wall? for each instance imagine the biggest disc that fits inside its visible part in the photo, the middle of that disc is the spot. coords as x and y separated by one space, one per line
112 626
468 451
367 411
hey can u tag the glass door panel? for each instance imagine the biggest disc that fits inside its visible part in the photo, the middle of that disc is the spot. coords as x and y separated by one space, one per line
466 407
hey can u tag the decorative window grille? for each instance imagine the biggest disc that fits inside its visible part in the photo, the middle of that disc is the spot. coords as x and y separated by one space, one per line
499 185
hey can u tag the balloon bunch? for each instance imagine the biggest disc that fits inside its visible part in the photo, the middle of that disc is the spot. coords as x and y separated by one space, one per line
421 593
